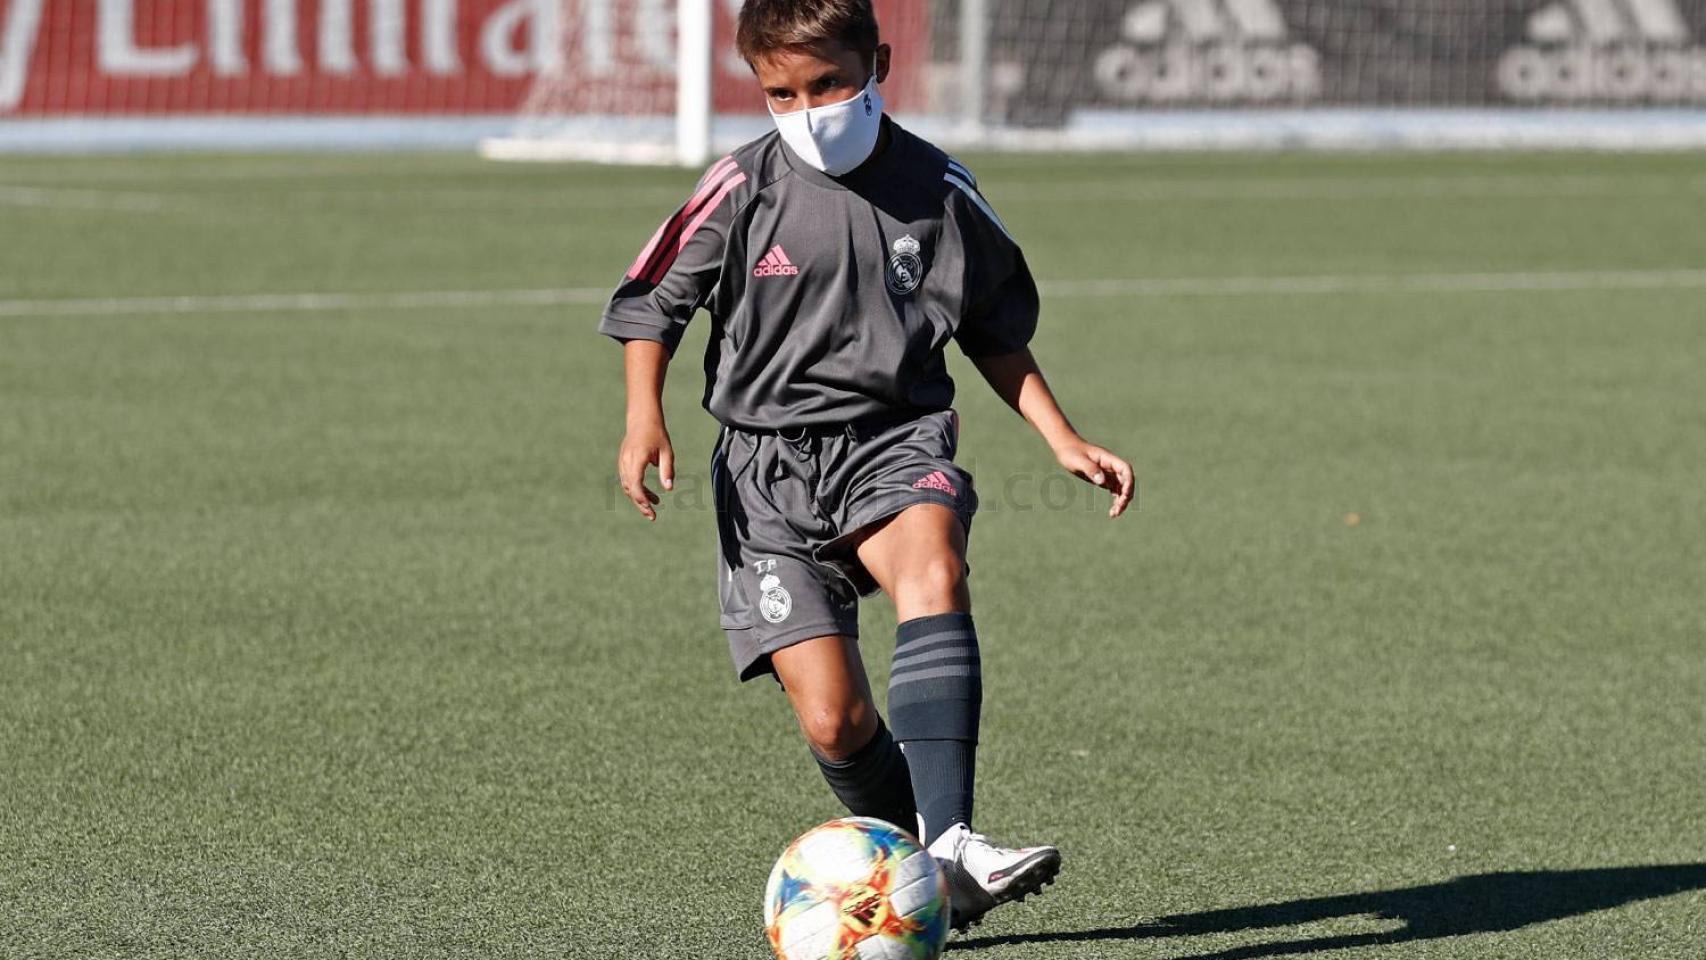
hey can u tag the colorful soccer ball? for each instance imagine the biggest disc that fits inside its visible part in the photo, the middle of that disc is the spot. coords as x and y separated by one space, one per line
856 889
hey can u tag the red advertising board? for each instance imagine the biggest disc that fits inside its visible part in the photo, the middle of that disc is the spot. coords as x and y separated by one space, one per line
409 57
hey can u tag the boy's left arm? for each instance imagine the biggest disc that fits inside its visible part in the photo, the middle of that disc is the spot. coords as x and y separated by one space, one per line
998 315
1016 379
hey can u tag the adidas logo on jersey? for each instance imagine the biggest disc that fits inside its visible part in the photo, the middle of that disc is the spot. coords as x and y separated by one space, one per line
1223 51
775 264
1605 50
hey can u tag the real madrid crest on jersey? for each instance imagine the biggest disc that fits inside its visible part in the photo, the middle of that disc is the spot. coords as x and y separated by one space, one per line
773 600
906 268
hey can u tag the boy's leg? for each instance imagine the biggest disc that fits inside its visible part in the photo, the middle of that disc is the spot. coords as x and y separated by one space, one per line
831 696
935 699
787 614
936 688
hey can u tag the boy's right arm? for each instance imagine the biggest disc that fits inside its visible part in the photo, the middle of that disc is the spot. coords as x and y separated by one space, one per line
646 442
670 279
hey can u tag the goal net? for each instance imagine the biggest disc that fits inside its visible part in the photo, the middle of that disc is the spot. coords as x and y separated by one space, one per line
658 81
617 91
1089 74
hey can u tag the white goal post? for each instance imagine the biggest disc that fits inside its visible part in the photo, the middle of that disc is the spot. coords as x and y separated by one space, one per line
693 83
622 132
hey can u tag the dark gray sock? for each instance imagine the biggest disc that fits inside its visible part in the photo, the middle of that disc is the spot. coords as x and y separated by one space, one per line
935 703
942 773
874 781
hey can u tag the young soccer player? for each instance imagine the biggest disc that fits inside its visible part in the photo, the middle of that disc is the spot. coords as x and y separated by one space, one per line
837 257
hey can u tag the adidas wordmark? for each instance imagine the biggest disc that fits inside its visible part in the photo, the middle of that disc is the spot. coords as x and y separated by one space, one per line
775 264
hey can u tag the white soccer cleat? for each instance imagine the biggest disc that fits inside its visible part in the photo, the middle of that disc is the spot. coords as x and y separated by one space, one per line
982 876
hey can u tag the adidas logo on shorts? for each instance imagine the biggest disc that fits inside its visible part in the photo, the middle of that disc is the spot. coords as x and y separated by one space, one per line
936 480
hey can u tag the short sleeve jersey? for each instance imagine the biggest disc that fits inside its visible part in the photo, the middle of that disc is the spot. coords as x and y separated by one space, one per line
831 299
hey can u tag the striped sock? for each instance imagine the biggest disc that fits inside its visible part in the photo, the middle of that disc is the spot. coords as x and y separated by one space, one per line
935 700
874 781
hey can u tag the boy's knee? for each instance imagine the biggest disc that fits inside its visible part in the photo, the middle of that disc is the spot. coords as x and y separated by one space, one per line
936 582
837 732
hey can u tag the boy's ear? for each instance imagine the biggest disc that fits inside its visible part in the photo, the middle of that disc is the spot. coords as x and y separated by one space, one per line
880 62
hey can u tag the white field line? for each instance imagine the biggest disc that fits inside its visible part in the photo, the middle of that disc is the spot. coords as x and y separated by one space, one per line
62 198
333 166
144 170
658 200
223 199
1379 283
299 302
499 195
498 189
1365 188
1086 289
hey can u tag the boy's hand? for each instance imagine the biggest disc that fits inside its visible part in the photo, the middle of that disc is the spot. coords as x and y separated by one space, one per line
645 445
1016 379
1093 464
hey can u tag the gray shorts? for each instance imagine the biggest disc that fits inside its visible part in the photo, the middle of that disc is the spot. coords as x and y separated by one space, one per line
789 511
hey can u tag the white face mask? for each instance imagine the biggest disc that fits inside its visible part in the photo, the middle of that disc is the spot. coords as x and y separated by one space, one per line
835 137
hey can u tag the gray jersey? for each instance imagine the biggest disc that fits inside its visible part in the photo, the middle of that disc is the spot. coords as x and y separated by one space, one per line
831 299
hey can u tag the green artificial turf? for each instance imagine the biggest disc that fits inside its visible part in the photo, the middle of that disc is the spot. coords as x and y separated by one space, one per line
323 632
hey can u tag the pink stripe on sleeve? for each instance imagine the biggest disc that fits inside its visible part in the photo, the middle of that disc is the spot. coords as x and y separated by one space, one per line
639 264
707 185
714 176
693 226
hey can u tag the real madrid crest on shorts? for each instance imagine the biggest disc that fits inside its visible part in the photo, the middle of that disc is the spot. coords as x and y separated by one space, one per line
906 269
773 599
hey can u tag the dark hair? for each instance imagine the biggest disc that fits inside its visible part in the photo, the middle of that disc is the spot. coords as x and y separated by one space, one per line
767 26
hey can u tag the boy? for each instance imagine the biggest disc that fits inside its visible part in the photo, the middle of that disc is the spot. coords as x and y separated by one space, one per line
837 257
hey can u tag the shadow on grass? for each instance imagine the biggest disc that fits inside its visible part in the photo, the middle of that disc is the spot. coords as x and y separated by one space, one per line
1486 903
